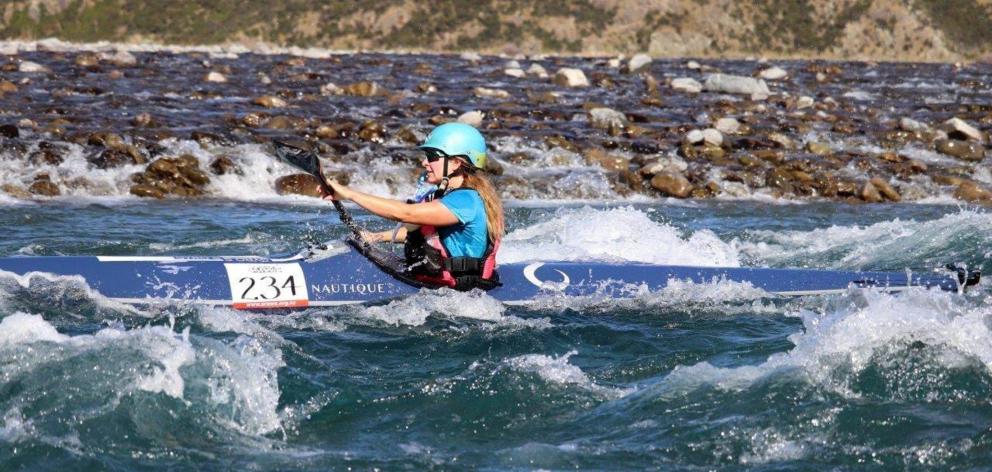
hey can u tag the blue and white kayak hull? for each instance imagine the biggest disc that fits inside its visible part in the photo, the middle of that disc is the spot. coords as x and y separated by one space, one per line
347 276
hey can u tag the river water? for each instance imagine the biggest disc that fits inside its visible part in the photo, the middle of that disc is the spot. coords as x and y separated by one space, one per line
694 377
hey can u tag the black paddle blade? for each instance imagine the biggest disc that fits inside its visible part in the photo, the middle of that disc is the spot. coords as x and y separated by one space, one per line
299 155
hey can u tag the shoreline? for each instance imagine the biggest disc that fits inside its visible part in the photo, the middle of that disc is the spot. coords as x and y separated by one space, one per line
95 119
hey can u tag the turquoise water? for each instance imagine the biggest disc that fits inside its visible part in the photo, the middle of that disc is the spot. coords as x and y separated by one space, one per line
693 377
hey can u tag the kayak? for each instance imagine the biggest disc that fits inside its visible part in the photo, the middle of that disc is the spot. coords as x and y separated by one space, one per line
344 272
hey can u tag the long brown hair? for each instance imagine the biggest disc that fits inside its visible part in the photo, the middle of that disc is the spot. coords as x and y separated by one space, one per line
490 199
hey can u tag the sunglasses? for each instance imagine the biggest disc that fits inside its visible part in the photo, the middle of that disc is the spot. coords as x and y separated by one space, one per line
433 155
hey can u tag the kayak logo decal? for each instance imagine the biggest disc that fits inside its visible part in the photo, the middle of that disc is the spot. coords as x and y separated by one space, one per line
531 276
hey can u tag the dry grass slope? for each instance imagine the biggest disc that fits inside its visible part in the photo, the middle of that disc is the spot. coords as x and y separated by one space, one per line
928 30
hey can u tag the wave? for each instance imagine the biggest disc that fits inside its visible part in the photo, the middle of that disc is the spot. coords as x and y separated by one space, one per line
617 234
867 332
964 236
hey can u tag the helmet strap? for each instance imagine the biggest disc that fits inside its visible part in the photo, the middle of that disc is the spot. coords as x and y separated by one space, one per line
441 189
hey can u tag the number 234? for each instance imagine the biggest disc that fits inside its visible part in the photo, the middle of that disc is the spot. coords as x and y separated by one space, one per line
268 288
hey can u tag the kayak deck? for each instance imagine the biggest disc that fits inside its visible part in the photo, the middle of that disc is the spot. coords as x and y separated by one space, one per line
343 275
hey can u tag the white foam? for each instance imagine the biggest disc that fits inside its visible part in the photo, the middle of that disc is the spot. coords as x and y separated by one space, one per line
899 241
557 370
835 346
445 303
860 95
62 286
770 445
21 328
15 427
730 297
171 355
244 384
240 378
74 175
247 239
617 234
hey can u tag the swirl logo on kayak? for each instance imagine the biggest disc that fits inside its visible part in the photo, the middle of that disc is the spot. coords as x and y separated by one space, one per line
531 276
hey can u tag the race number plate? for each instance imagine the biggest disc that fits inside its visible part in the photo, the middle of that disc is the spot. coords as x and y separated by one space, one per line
257 286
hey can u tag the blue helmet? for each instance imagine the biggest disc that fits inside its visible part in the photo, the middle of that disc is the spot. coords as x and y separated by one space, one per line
458 139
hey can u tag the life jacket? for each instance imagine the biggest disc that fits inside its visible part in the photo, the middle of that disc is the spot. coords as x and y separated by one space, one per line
429 262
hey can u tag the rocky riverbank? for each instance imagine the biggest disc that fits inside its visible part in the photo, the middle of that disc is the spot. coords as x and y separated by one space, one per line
162 123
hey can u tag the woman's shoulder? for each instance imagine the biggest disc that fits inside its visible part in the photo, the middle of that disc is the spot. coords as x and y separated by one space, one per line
463 195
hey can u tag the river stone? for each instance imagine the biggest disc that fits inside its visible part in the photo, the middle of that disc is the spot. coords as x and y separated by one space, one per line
298 184
727 125
9 131
781 140
426 87
473 118
330 89
537 70
484 92
818 148
885 189
735 84
569 77
672 184
282 122
15 191
223 165
712 136
638 63
611 162
32 67
146 191
470 56
694 137
270 101
87 60
43 185
116 157
673 164
409 135
911 125
960 129
7 86
964 150
869 193
372 131
607 118
215 76
735 189
804 102
687 85
972 192
780 178
554 141
947 179
120 58
714 153
363 89
773 73
515 73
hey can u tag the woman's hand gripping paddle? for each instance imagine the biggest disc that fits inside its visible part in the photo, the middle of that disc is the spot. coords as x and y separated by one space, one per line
302 157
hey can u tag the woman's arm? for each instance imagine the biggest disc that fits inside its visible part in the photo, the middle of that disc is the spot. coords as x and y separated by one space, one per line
397 235
428 213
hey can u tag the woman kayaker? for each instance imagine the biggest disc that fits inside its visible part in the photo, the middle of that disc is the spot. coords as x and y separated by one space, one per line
450 239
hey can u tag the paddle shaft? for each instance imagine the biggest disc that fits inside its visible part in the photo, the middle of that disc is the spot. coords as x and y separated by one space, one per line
313 168
343 212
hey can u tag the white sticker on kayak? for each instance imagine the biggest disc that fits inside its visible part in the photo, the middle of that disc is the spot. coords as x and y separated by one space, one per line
256 286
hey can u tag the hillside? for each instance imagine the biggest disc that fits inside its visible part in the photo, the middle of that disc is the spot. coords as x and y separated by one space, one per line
923 30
